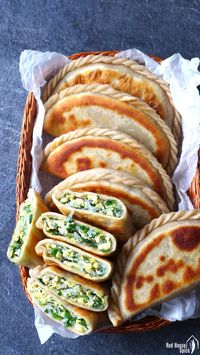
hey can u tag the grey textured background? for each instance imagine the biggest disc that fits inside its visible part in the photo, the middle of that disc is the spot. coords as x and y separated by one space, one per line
158 27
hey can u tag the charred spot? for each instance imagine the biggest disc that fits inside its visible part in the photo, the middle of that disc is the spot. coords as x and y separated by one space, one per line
186 238
140 280
83 164
171 266
102 164
189 274
155 292
162 258
168 286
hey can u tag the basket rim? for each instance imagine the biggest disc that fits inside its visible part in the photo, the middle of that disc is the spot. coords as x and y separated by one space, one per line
24 166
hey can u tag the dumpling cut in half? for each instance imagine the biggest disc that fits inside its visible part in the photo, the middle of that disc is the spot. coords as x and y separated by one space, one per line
142 203
101 210
79 321
159 262
72 288
21 250
85 236
74 260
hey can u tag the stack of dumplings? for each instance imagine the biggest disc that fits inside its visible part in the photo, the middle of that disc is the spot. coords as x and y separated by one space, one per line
115 137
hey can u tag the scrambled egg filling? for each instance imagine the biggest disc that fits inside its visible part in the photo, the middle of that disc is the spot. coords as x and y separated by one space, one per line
21 231
77 261
57 311
93 203
73 291
75 232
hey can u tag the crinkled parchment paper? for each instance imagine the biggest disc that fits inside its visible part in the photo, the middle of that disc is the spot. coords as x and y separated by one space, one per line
183 76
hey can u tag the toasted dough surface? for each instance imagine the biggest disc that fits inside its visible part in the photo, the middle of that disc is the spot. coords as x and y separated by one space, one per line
124 75
102 148
159 262
88 106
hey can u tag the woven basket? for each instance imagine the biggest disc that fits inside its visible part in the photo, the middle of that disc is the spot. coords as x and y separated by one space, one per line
23 181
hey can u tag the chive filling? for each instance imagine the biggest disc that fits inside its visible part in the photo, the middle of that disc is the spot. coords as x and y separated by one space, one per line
76 261
73 291
77 233
93 203
21 230
55 310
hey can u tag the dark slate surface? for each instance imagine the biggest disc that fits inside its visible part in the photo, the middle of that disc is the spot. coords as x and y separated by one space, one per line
158 27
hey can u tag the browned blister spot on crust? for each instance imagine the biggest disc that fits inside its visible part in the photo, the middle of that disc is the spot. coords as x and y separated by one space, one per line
190 273
56 123
122 195
102 164
123 82
56 160
168 286
186 238
171 266
155 292
83 164
140 280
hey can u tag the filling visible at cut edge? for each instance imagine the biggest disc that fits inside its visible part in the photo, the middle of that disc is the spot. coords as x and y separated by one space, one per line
93 203
55 310
73 291
77 232
21 231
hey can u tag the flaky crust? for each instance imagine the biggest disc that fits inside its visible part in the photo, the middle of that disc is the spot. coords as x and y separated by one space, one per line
108 91
166 192
140 69
114 312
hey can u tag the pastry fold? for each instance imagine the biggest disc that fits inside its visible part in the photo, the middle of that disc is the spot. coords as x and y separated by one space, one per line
21 250
89 106
102 148
101 210
72 288
75 319
85 236
75 260
159 262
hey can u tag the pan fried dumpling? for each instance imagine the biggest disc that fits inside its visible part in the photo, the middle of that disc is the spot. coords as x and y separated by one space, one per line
96 148
158 263
21 250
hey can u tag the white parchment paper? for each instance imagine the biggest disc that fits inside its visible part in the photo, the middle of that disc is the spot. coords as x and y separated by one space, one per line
183 76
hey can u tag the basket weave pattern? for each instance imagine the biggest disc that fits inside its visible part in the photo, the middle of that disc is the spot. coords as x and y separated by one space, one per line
22 187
